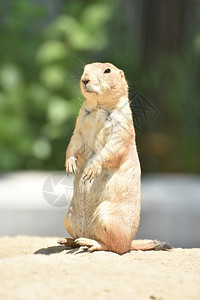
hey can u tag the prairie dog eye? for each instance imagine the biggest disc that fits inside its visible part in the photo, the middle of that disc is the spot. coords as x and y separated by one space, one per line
107 71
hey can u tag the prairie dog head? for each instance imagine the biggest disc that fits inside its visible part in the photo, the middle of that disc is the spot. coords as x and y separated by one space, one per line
103 83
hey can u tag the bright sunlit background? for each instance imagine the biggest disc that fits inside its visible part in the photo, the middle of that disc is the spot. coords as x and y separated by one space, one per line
44 46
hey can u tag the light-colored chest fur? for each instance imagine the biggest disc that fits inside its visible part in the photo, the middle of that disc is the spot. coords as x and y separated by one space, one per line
96 126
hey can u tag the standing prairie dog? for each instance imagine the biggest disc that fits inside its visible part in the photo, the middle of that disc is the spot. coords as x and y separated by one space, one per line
104 212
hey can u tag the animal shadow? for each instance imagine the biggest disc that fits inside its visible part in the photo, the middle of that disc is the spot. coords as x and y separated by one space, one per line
57 249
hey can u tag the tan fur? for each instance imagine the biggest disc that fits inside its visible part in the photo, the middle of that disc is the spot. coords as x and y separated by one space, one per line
105 209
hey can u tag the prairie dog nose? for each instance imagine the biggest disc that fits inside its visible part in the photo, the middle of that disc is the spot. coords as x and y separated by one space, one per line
85 81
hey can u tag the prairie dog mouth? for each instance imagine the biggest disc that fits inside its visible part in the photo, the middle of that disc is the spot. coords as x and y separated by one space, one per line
89 89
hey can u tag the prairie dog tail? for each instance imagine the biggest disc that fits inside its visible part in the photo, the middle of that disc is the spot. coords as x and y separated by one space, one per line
149 245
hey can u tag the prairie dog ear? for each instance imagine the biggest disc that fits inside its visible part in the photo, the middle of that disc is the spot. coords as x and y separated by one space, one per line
121 73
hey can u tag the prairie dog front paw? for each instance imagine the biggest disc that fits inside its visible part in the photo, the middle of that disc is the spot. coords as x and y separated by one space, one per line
70 165
93 168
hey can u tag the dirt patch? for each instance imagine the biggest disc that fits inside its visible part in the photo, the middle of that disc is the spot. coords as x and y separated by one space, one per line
38 268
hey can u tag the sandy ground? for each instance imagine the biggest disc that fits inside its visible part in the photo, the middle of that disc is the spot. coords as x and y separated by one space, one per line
37 268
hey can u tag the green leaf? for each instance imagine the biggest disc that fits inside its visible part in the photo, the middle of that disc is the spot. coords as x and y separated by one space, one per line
42 148
59 110
53 76
96 15
10 76
51 51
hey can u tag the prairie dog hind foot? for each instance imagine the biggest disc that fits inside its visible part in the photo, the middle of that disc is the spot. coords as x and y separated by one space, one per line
91 244
68 242
76 243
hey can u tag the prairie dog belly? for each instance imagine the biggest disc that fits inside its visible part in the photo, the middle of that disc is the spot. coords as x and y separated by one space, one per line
114 191
94 205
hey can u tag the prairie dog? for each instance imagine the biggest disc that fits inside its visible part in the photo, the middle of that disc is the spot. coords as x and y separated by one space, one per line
104 212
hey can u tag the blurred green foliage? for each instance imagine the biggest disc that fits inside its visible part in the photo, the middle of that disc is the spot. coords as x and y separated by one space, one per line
162 61
39 84
172 142
41 62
